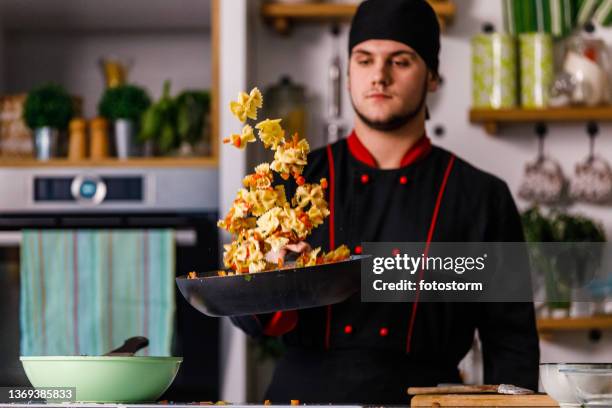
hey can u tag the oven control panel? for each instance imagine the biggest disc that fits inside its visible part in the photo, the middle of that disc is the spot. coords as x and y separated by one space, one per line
89 189
102 189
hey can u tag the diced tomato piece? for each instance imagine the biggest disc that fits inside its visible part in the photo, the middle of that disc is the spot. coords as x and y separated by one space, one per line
591 53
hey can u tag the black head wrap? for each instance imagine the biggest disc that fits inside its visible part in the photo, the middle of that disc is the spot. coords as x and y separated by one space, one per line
411 22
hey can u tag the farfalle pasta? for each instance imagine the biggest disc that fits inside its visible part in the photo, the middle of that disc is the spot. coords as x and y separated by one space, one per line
261 218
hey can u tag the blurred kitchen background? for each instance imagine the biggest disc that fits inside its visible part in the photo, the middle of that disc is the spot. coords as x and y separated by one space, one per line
538 106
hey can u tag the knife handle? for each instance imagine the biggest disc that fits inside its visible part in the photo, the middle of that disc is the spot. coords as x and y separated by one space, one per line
455 389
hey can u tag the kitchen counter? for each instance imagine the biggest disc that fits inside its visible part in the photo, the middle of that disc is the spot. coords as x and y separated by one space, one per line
483 400
445 400
160 405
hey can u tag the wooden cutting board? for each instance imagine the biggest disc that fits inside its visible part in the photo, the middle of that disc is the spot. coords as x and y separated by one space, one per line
495 400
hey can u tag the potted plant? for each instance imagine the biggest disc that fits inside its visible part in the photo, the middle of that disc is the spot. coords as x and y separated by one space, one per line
47 110
124 105
158 123
568 266
192 111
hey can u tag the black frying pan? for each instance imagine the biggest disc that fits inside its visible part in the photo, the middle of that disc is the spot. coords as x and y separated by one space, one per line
265 292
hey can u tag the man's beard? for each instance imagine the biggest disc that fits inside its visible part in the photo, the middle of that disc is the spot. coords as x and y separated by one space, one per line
396 121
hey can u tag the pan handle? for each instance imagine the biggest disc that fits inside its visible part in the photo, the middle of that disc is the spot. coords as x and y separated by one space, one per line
10 239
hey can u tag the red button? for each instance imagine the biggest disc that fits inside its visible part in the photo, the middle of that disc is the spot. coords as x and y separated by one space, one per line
396 252
384 332
403 180
348 329
365 179
358 249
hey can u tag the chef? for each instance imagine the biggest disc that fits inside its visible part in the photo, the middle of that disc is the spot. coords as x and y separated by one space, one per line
388 183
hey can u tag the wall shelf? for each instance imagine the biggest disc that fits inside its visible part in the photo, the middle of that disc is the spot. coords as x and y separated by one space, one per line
113 162
575 324
282 16
491 119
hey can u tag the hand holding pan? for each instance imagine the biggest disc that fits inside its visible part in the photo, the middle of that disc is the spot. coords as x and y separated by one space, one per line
285 251
289 288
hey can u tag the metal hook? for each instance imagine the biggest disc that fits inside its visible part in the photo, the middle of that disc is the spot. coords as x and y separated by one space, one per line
592 130
335 29
541 131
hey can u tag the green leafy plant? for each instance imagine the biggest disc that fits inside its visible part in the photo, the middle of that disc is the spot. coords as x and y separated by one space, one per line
48 105
192 107
536 226
159 122
576 228
568 265
124 102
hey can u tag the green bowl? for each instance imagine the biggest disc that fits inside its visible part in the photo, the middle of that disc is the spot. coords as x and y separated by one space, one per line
105 379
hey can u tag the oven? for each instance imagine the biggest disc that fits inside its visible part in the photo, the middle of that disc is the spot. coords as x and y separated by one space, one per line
185 200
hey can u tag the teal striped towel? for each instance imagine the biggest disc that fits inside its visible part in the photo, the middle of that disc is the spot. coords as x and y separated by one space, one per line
84 292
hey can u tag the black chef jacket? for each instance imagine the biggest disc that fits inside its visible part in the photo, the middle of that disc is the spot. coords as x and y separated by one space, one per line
370 353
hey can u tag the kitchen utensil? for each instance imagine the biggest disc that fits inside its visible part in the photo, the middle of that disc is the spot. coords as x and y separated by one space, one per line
592 383
507 389
334 128
265 292
556 384
486 400
105 379
130 347
593 180
544 181
334 77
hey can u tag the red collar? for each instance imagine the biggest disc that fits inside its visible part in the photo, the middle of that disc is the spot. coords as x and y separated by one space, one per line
419 150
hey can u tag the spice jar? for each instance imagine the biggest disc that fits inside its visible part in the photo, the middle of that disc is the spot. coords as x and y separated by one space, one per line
99 139
77 145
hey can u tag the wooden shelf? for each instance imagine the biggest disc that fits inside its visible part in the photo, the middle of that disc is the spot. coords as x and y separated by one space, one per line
111 162
282 16
491 119
575 324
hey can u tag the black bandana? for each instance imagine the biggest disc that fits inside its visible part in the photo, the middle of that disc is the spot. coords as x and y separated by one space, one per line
411 22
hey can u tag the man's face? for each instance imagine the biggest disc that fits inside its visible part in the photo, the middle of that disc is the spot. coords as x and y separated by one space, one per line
388 83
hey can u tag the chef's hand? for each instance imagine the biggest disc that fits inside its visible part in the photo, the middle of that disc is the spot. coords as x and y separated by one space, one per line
299 248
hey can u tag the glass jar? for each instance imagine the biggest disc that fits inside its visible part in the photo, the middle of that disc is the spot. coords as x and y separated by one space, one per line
585 72
287 101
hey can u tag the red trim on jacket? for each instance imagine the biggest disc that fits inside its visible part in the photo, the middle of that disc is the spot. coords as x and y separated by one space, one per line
432 227
419 150
281 323
332 229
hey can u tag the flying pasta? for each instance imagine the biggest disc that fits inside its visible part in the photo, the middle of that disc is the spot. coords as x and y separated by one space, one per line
261 218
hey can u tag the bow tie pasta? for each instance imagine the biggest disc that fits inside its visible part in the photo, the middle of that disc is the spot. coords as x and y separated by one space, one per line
261 218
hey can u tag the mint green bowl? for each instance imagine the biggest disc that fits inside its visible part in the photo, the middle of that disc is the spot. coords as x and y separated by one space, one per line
105 379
